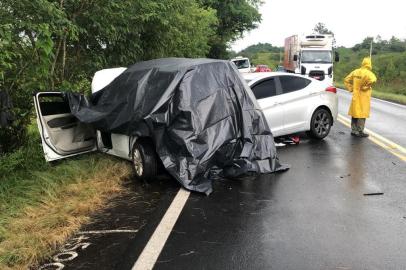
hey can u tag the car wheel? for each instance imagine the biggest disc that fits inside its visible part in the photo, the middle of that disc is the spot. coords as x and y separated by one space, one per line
320 124
144 161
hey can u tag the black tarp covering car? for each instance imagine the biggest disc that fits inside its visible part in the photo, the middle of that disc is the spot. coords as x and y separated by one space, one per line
199 113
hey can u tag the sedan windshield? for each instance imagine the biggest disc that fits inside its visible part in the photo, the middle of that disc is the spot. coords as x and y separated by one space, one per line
316 57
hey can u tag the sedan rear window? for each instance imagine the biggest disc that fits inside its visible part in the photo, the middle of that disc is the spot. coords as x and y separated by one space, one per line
293 83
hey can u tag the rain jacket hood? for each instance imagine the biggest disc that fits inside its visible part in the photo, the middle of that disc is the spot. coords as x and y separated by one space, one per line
366 63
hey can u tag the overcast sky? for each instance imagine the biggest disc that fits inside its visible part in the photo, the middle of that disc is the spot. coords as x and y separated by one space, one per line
350 20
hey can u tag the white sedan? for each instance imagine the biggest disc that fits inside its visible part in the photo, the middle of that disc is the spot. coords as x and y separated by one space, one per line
294 103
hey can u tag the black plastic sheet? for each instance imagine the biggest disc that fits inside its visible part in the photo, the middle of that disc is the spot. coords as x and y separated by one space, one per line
200 114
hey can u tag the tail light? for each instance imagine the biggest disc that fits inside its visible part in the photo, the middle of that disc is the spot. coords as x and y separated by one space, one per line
331 89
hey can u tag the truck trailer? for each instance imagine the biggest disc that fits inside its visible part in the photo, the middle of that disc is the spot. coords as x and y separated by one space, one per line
311 55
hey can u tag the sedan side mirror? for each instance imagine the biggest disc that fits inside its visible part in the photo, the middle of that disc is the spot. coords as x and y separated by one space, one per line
336 57
295 57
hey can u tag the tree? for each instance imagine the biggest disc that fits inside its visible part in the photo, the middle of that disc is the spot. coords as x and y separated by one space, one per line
390 71
365 44
27 30
59 44
235 18
254 50
396 45
321 28
261 47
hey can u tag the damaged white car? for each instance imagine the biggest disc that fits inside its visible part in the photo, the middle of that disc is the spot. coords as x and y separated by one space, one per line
190 115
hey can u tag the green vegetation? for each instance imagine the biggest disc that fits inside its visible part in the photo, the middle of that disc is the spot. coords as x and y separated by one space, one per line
58 44
398 98
388 61
378 93
263 53
234 18
41 205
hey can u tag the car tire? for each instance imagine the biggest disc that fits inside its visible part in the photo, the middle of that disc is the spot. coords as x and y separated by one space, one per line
320 124
144 161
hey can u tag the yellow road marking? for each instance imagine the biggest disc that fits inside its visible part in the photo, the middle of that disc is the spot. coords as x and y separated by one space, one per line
383 142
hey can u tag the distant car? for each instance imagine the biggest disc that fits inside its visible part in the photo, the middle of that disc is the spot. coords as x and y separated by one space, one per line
263 68
280 69
294 103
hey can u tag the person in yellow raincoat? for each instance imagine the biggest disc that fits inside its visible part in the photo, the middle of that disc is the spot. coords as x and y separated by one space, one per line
360 82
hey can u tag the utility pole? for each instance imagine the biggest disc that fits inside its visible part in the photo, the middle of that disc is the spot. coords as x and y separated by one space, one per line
370 49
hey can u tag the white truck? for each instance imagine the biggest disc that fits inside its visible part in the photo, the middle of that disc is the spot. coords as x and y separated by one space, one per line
243 64
311 55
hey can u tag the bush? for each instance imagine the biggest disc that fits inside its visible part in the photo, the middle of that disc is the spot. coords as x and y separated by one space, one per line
27 157
389 67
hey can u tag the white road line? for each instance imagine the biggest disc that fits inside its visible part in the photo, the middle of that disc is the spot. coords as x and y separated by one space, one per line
149 255
107 231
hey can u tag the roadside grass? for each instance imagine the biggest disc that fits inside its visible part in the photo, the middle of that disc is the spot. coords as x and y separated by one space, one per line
390 97
382 92
42 205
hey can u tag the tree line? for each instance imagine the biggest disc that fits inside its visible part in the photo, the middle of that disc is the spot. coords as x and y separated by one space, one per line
59 44
380 45
388 62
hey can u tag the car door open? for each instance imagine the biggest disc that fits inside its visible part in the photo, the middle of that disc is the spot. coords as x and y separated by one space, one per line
62 134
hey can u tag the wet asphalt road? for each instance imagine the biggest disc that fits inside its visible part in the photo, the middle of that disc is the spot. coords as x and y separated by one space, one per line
387 119
315 216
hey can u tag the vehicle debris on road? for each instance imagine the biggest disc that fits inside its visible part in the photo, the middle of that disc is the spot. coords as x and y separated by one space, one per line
282 141
343 176
373 193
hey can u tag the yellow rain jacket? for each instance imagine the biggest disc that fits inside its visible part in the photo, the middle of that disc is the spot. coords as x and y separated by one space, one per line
359 82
